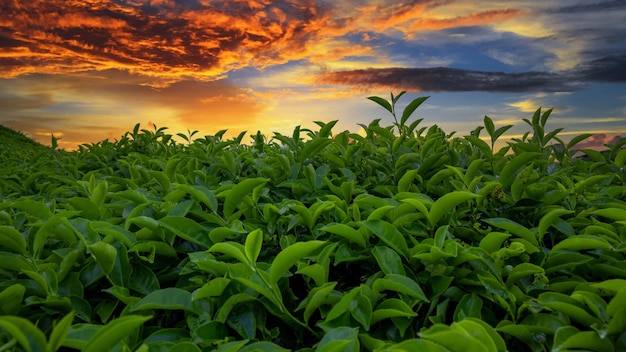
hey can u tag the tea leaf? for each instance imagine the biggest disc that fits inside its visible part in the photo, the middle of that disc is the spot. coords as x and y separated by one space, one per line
346 232
410 108
382 102
254 242
401 284
582 242
506 176
59 332
388 260
12 239
105 255
233 249
110 334
235 196
170 298
446 204
550 218
11 299
25 332
290 256
514 228
388 234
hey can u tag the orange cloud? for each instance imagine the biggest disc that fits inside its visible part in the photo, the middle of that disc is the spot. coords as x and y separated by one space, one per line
154 38
598 141
475 19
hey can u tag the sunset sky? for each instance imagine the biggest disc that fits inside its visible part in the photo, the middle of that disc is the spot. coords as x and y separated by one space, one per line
87 70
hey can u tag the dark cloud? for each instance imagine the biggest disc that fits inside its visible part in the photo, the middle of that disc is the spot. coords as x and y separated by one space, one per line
450 79
586 7
611 69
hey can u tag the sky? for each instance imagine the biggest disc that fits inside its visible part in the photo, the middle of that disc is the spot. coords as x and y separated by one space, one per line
88 70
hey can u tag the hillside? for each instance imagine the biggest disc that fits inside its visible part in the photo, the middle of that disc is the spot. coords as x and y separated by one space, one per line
12 139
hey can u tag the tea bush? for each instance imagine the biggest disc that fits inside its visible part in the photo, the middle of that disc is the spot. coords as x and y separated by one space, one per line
401 239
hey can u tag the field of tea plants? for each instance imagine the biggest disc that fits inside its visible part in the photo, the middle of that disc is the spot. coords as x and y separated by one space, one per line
405 238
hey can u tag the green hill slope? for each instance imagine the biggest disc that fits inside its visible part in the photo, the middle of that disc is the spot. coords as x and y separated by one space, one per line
11 139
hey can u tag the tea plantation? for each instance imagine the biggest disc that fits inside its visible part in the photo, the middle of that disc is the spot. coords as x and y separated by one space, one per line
406 238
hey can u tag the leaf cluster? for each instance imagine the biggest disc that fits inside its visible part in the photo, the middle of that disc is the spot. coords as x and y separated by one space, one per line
404 238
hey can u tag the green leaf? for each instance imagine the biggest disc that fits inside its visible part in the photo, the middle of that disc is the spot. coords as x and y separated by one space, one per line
59 332
493 241
507 174
611 213
566 305
388 260
582 242
14 262
112 333
312 147
616 310
105 255
522 270
391 308
585 340
340 339
379 213
317 296
405 182
11 299
514 228
389 235
343 305
231 302
499 132
12 239
458 338
482 332
187 229
401 284
470 306
235 195
213 288
263 346
578 139
290 256
620 158
489 126
254 242
233 249
415 345
361 311
37 209
410 108
382 102
184 346
26 333
550 218
481 145
447 203
170 298
346 232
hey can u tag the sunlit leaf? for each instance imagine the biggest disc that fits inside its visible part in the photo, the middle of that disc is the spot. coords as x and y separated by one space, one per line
290 256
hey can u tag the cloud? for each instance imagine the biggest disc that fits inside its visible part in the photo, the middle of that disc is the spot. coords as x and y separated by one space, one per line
598 141
610 69
448 79
200 39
